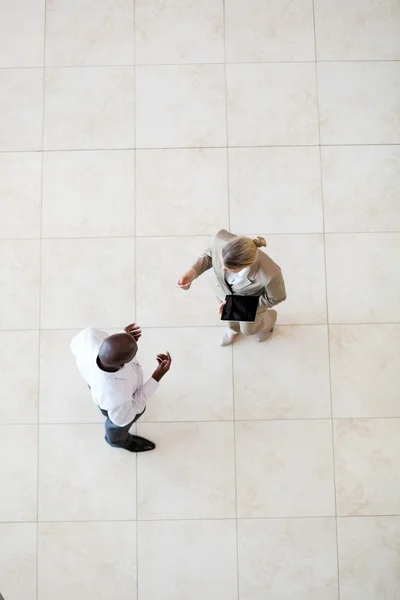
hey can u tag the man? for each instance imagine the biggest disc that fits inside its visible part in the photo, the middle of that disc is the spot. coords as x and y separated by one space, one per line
115 379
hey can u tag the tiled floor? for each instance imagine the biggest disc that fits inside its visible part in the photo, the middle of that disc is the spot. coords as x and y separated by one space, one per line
131 131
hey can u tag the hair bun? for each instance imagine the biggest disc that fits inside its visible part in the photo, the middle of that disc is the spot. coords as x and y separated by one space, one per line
259 241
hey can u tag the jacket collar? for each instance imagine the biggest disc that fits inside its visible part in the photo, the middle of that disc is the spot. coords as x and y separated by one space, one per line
251 277
253 272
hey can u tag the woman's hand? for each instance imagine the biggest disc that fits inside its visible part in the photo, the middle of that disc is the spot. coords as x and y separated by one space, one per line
221 307
185 281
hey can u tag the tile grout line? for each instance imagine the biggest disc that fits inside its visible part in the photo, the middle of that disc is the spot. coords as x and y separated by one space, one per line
226 119
206 64
198 148
235 468
231 349
212 519
182 422
40 298
216 327
135 277
199 235
327 304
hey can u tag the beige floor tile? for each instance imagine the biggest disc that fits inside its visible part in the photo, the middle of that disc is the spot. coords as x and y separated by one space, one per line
81 478
363 277
20 194
359 102
369 558
361 188
64 396
357 30
257 31
159 264
284 468
181 192
287 558
77 294
19 385
301 258
92 32
89 108
367 456
191 473
284 378
87 560
18 560
19 284
196 558
179 31
365 370
199 385
277 190
272 104
180 106
101 187
18 472
22 34
21 109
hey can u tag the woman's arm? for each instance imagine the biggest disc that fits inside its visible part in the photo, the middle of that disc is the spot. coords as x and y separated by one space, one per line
274 293
202 264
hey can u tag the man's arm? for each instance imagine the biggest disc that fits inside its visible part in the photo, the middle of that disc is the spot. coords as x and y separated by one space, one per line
128 404
133 330
126 412
164 365
141 395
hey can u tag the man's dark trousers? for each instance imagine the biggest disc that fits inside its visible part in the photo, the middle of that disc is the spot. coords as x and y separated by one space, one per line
118 436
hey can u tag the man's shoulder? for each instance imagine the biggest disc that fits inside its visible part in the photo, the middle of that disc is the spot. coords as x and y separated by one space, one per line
88 337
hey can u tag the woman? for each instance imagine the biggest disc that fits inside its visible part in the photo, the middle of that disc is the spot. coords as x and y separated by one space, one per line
241 268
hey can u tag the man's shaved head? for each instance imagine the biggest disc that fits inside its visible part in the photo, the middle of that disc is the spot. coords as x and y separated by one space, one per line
117 350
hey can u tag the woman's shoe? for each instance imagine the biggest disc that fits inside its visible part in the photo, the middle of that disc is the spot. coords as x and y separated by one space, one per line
228 337
263 336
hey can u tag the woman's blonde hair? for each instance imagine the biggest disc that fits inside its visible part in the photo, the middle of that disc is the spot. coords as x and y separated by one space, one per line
241 252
